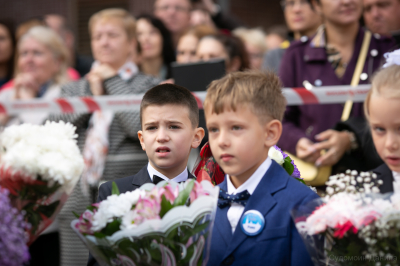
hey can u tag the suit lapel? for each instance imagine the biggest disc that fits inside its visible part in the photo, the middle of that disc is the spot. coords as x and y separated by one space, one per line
261 200
141 178
190 175
222 223
386 175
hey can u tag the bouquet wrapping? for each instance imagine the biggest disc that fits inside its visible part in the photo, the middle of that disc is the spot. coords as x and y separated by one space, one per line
166 224
39 166
353 224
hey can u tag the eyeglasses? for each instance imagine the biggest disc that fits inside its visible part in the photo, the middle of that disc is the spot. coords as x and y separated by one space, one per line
165 8
290 4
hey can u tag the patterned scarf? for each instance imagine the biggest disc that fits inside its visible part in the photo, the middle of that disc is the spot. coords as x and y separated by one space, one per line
96 145
333 55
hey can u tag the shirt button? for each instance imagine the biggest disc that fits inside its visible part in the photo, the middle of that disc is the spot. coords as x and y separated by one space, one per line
377 36
318 83
229 260
304 38
364 76
306 57
374 52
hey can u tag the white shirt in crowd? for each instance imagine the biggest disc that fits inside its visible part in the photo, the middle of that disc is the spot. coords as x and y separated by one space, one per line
236 210
182 177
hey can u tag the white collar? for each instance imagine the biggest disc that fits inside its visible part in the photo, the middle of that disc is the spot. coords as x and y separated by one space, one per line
251 183
128 70
179 178
396 176
396 182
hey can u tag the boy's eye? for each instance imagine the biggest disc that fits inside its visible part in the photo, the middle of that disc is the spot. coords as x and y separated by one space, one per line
212 129
151 128
236 128
379 129
174 127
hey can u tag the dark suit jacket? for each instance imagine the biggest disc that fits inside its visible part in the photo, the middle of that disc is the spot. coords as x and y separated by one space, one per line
385 174
129 183
279 243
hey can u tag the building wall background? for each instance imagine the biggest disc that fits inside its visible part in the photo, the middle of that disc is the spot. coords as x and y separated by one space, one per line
254 13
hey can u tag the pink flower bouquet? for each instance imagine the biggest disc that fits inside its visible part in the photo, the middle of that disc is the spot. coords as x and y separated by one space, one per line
352 225
167 224
39 166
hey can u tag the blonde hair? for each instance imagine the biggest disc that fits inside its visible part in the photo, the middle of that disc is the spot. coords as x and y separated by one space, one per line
200 31
53 41
261 91
385 83
255 37
128 21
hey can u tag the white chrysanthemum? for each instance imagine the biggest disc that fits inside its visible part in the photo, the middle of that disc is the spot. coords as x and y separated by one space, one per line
48 150
276 155
115 207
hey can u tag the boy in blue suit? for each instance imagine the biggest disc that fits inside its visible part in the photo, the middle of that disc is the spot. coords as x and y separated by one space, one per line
253 225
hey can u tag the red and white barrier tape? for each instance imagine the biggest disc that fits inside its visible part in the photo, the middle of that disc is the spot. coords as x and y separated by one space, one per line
118 103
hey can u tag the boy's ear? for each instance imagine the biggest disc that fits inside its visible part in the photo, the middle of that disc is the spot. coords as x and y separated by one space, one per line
140 136
198 137
273 132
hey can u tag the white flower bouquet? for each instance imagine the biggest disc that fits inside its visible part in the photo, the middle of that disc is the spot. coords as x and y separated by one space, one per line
166 224
352 225
40 166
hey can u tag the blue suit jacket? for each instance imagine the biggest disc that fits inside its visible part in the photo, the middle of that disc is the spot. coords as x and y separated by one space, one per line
279 243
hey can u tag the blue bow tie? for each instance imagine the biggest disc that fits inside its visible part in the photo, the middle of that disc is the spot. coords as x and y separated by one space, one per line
226 199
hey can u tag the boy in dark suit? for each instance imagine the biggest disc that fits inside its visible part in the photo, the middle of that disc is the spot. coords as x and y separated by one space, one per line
169 116
253 225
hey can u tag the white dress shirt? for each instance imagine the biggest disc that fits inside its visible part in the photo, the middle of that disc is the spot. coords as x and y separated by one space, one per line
179 178
396 182
236 210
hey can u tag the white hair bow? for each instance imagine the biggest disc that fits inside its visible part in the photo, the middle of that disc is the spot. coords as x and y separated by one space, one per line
392 58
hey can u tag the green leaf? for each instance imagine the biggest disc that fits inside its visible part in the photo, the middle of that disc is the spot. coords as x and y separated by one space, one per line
112 227
288 166
184 194
166 206
301 180
114 190
91 208
48 210
75 214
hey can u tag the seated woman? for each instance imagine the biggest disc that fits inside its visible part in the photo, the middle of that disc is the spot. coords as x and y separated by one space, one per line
109 141
328 58
40 72
155 45
254 41
187 45
7 50
221 46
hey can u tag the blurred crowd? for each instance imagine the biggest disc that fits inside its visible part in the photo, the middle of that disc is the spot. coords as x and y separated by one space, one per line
319 45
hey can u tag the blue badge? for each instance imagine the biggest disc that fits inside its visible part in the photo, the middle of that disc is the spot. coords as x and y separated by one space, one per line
252 223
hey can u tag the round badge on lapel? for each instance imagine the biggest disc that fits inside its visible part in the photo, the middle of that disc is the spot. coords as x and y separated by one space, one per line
252 223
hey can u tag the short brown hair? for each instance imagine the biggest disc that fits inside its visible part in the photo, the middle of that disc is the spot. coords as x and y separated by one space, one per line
171 94
262 91
386 82
128 21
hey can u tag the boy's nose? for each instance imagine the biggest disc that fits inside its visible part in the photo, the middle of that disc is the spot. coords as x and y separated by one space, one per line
162 135
223 140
